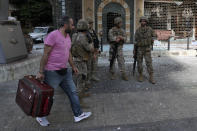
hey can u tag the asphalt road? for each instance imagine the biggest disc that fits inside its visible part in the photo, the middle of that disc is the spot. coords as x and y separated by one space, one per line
170 105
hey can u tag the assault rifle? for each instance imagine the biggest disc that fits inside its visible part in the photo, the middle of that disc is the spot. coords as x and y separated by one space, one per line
115 50
135 59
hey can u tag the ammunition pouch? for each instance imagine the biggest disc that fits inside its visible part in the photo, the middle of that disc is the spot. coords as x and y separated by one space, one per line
145 43
78 51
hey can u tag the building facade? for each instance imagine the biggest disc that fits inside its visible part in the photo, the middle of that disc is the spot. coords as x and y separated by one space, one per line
104 11
180 16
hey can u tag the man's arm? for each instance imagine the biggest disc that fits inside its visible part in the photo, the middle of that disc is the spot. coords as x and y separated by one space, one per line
43 62
70 60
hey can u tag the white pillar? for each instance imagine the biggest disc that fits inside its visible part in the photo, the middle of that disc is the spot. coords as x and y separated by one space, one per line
139 11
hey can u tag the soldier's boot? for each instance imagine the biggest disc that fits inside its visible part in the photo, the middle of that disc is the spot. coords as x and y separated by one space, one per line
94 78
151 79
124 76
140 78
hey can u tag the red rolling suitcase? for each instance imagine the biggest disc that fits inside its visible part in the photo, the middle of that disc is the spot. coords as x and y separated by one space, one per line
33 97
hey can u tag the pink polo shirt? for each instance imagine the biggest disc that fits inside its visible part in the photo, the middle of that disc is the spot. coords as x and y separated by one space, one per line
59 55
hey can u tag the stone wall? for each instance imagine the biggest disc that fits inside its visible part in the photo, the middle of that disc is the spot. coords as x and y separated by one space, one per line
19 69
139 11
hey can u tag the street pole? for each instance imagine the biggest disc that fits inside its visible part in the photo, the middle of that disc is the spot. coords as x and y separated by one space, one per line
169 44
188 40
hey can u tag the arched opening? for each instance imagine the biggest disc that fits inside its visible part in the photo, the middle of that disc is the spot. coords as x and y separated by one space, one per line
110 12
110 20
117 7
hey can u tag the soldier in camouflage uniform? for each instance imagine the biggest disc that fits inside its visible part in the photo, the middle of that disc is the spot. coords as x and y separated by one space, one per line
143 42
81 50
117 37
94 59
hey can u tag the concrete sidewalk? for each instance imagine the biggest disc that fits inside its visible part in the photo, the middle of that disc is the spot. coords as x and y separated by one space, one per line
30 65
170 105
162 46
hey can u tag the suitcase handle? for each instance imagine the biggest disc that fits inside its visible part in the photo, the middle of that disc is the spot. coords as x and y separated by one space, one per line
32 76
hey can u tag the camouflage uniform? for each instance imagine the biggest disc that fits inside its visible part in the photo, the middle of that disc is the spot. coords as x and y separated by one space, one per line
93 61
144 41
81 50
114 33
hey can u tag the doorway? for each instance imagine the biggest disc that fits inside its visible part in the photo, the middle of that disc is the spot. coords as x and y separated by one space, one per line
110 21
110 12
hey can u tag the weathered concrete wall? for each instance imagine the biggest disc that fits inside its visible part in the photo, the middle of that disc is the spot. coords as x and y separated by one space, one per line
17 70
139 11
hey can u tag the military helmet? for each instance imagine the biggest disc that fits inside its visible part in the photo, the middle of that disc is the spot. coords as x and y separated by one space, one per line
89 20
117 20
143 18
82 25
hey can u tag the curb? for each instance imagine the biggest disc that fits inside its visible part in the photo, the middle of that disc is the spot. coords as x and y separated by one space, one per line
31 65
159 53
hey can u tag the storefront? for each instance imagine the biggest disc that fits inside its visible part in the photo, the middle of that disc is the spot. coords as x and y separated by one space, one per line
179 16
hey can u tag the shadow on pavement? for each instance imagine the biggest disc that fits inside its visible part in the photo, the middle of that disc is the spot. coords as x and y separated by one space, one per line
167 106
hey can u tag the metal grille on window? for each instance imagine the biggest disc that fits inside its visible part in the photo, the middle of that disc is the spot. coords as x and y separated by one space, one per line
179 16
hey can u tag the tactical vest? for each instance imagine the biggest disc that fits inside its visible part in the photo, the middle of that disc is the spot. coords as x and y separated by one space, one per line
78 51
144 37
117 32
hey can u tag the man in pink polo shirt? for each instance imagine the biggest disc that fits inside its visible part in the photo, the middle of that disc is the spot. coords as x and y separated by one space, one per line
54 70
